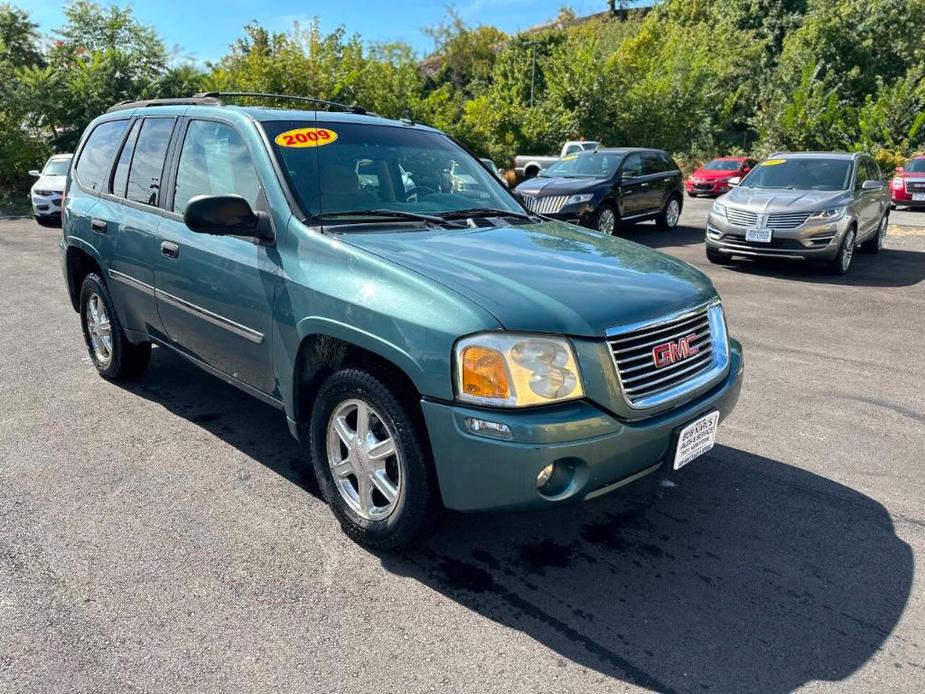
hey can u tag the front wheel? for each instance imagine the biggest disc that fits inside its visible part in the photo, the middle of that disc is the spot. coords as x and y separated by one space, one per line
842 261
605 219
670 214
371 459
110 350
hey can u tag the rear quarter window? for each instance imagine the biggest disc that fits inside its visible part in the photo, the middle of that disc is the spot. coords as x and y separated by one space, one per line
92 170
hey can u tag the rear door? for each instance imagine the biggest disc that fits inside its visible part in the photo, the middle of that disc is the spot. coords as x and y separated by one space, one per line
215 293
658 180
633 187
868 200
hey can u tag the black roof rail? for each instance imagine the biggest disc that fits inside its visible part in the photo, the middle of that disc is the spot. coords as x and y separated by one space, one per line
196 100
283 97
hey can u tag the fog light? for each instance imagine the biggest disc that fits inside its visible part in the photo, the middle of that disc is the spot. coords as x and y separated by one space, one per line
486 428
545 474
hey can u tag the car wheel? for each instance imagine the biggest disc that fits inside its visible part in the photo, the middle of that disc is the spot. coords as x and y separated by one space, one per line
605 219
110 351
875 244
718 257
372 461
670 214
842 261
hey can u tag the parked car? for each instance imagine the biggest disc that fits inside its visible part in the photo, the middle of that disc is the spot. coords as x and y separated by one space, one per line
817 206
713 178
47 191
403 339
601 188
530 165
490 165
907 188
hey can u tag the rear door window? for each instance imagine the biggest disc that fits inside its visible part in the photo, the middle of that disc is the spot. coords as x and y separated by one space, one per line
632 165
144 176
92 170
214 160
652 163
120 177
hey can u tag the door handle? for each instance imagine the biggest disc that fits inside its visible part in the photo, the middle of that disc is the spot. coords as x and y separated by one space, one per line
644 185
98 225
169 249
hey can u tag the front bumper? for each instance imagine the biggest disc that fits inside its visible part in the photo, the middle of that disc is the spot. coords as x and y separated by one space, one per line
810 241
46 205
900 196
707 187
476 472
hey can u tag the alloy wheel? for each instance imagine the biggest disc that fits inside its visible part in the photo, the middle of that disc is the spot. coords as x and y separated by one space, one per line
881 232
848 251
672 213
99 329
364 459
606 221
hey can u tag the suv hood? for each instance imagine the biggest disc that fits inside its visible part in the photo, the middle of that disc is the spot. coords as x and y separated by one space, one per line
550 277
559 185
765 200
713 174
55 183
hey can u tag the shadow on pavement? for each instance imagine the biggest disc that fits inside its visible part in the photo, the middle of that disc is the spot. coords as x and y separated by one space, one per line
648 235
749 575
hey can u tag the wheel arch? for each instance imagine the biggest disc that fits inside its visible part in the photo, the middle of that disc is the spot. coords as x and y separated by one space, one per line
79 262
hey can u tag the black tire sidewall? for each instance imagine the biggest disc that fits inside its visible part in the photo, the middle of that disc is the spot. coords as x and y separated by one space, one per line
416 501
93 284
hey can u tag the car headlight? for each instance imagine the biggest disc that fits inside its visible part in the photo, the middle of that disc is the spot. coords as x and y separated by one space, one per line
576 199
829 215
897 183
511 370
719 208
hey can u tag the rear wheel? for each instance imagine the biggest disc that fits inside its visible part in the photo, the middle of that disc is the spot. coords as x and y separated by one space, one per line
605 219
875 243
670 214
110 351
372 461
842 261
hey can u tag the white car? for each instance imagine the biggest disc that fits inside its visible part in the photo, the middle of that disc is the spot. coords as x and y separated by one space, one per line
48 191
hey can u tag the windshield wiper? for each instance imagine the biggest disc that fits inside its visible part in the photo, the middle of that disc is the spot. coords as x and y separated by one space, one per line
394 214
485 212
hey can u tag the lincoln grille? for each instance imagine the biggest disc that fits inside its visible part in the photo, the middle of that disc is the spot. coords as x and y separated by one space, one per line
635 360
787 220
546 205
742 218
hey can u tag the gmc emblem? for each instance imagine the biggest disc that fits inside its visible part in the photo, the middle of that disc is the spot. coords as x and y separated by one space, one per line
669 353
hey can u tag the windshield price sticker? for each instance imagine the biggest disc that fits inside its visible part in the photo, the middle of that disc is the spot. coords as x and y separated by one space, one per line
306 137
773 162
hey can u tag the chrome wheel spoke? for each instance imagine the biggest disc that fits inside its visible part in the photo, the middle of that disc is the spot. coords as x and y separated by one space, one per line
362 421
381 481
343 469
344 432
365 493
380 452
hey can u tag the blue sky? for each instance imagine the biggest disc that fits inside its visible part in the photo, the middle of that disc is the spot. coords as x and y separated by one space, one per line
203 29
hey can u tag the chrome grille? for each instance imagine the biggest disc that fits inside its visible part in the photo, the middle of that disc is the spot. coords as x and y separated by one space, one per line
546 205
742 218
643 383
787 220
915 186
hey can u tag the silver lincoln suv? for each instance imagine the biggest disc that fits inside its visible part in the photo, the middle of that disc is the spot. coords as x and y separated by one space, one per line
818 206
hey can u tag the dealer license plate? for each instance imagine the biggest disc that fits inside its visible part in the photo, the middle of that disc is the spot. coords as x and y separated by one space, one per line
918 197
696 439
758 234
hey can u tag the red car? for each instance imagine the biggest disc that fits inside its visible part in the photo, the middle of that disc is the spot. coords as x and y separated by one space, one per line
713 178
908 185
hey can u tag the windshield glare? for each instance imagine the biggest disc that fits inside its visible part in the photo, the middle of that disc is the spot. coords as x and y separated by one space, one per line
915 166
801 174
723 165
585 165
356 167
56 167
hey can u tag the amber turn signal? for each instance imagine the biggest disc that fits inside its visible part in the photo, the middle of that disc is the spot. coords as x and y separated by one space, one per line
484 373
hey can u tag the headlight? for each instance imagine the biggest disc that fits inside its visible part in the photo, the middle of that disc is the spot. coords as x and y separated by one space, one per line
510 370
829 215
719 208
576 199
897 183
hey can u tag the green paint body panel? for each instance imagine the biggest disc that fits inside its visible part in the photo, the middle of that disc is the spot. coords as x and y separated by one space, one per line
407 295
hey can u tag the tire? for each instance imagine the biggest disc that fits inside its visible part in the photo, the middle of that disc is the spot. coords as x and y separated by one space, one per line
110 351
717 257
605 219
875 244
668 218
358 501
840 264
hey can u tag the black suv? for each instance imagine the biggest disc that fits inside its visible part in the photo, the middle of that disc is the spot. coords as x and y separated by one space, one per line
601 188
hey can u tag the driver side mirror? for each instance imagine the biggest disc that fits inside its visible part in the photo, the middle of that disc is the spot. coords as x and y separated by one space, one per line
229 215
35 172
734 181
872 185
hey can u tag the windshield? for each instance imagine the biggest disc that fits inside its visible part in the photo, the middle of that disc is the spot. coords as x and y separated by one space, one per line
585 165
801 174
338 168
56 167
915 166
723 165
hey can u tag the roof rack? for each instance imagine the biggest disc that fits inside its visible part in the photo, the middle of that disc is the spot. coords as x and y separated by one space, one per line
283 97
217 99
198 99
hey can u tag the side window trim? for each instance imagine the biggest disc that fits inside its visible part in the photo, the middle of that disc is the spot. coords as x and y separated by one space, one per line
112 161
119 150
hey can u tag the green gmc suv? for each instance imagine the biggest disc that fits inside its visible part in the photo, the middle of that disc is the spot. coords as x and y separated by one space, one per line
434 345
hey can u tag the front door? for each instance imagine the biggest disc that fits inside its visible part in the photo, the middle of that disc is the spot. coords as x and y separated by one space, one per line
215 293
634 188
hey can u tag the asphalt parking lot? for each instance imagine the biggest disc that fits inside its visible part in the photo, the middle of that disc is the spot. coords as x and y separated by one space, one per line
164 536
